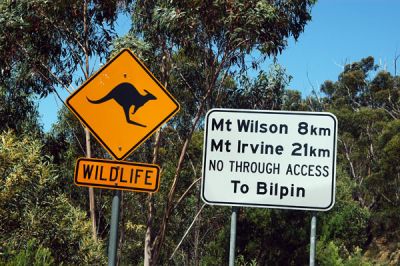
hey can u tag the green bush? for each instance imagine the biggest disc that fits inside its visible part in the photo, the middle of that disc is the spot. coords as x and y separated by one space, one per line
34 207
32 255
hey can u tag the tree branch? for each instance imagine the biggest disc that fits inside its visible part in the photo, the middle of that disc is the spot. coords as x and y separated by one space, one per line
187 231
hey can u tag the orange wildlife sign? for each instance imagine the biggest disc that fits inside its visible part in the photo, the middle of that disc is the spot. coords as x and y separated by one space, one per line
122 104
120 175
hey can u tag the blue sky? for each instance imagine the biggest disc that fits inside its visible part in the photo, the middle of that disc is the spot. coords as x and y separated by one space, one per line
341 31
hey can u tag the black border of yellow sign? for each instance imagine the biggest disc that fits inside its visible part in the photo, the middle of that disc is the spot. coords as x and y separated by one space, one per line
150 132
115 163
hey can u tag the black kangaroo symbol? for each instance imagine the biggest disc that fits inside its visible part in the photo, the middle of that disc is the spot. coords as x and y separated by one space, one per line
126 95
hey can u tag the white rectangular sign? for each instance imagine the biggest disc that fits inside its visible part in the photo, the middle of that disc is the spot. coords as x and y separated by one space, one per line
272 159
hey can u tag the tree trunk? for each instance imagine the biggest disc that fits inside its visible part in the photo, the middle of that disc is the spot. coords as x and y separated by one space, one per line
149 241
196 255
159 239
91 190
149 228
87 134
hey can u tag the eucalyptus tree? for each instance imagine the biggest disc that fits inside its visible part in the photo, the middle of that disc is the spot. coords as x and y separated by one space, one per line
18 112
195 47
45 45
366 101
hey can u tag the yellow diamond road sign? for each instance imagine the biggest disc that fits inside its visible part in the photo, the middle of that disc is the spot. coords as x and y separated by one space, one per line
122 104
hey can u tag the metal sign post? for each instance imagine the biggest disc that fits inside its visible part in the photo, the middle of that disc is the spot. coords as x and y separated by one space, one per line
113 241
313 238
232 243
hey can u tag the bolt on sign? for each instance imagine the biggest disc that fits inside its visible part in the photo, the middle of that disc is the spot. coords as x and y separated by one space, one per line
122 104
119 175
272 159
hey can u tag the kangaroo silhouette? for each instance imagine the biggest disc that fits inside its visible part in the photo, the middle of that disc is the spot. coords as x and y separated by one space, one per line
126 95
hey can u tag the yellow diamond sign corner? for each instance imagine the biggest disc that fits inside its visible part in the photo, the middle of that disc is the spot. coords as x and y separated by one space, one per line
122 104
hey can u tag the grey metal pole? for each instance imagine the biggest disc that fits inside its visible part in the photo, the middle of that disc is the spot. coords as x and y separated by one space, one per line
113 241
313 238
232 243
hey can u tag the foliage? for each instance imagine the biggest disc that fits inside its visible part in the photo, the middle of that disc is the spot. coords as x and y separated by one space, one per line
18 112
32 206
347 223
241 24
40 49
367 110
281 233
32 255
329 254
242 262
343 231
368 143
385 180
265 92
